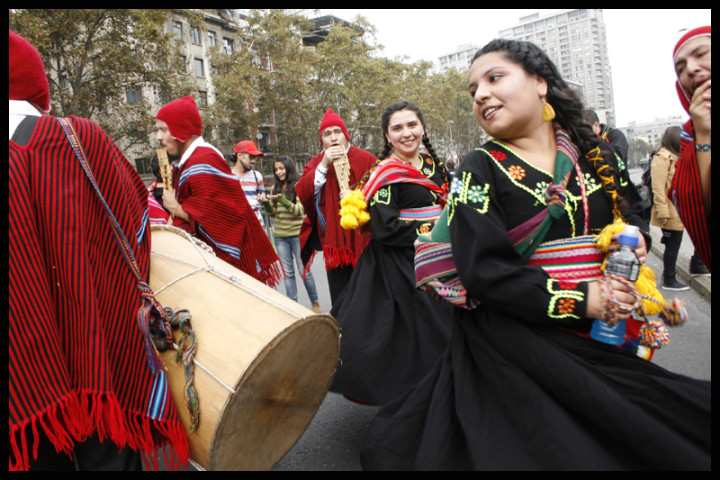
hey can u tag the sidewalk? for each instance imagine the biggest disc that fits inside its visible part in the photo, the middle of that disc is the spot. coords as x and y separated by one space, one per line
700 284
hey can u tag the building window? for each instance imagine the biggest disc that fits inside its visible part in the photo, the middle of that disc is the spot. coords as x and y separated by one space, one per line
177 30
199 68
228 46
195 36
212 39
134 95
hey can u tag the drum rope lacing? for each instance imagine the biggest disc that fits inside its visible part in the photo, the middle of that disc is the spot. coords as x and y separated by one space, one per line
180 319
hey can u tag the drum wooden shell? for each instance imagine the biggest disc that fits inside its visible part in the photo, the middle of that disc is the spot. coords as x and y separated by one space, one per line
263 364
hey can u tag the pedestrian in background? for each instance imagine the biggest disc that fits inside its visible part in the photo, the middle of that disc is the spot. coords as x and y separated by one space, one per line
288 211
251 181
664 214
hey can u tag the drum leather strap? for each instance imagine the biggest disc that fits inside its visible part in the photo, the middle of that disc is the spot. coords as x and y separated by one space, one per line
151 317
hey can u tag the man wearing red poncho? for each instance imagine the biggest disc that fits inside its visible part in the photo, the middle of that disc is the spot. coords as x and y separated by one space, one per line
209 201
690 190
83 390
319 192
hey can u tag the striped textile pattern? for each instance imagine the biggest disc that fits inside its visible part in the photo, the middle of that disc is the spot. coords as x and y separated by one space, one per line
574 259
222 217
77 360
420 214
686 194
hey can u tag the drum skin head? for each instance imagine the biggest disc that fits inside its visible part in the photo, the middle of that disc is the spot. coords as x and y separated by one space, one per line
263 365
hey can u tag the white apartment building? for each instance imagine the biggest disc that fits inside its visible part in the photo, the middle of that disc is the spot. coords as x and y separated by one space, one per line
576 41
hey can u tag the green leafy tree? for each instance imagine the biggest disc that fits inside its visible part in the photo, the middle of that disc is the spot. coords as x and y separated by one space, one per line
100 61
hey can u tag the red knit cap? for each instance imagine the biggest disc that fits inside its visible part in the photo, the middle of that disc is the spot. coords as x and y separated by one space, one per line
332 119
684 95
182 118
28 80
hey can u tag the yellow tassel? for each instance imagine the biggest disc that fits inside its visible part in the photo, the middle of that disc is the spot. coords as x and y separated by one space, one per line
353 210
645 283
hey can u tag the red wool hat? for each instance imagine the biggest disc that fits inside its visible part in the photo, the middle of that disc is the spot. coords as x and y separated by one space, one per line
684 95
246 146
28 80
182 117
332 119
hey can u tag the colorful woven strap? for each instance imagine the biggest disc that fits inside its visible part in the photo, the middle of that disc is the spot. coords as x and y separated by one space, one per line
420 214
392 171
575 259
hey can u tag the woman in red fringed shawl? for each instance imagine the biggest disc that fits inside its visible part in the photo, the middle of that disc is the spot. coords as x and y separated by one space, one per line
319 193
210 203
690 189
78 368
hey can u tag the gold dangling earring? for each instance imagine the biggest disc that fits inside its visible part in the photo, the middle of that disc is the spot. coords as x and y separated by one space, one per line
548 112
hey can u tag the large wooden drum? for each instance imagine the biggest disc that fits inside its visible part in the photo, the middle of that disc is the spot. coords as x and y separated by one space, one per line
263 364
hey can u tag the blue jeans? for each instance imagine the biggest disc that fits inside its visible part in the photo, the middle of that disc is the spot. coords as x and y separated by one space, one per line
287 248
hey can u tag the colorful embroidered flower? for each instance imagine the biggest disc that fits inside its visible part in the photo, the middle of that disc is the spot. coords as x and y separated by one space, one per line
478 194
516 172
565 285
566 305
498 155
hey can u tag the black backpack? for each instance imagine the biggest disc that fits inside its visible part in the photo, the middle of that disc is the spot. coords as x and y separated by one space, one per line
646 192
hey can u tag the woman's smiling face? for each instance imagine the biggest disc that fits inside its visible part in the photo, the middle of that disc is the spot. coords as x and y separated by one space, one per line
405 133
506 99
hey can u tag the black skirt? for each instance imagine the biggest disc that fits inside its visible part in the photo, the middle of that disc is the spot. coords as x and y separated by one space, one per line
391 333
509 395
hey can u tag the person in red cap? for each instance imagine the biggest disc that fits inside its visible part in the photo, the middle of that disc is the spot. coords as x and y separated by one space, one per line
690 190
208 201
82 391
319 192
251 180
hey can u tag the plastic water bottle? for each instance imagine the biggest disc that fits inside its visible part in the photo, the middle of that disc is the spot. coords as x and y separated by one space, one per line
623 263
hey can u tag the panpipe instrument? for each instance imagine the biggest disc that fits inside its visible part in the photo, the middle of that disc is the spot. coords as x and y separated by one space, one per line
165 169
342 170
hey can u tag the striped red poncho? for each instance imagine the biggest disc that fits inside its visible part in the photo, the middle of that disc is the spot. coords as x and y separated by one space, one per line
340 247
686 194
220 214
77 360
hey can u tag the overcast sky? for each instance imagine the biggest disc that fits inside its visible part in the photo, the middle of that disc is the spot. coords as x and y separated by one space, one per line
640 44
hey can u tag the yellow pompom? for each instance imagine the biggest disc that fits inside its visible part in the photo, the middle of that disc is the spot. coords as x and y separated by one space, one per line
353 210
348 222
604 238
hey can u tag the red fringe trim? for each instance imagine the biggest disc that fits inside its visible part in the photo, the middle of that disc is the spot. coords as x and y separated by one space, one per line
273 274
337 257
80 414
308 264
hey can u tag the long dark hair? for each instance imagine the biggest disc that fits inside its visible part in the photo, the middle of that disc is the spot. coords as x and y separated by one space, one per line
671 139
291 178
567 104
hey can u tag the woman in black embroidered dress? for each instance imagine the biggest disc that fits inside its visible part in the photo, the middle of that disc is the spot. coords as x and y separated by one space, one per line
521 386
391 332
